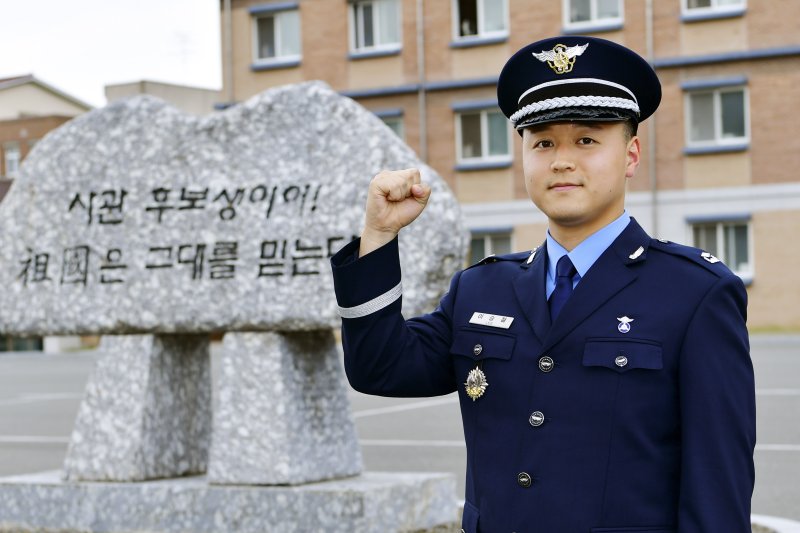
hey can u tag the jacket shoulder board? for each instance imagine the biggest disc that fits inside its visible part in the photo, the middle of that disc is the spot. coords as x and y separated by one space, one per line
695 255
514 257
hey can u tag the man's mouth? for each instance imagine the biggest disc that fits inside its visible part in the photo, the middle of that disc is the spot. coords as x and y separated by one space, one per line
564 186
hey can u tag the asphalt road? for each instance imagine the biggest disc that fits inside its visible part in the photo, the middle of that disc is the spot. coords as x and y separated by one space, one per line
40 395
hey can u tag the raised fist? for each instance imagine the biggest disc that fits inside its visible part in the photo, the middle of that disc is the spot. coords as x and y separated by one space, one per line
395 199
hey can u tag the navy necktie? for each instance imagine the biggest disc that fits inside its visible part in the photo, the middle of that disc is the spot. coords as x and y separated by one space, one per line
565 270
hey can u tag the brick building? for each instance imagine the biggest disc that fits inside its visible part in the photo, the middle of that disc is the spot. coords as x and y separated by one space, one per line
720 154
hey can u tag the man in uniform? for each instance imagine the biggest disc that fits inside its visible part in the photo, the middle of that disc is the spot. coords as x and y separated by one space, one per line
604 378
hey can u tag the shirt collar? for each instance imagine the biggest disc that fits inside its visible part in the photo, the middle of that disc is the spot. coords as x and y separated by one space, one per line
586 253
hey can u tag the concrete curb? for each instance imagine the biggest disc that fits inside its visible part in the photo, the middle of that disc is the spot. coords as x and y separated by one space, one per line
780 525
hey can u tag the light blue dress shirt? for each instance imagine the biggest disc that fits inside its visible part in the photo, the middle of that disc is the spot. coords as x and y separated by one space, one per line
585 254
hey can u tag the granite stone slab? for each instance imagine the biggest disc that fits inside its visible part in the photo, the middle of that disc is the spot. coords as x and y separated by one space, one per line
146 412
138 218
283 416
370 503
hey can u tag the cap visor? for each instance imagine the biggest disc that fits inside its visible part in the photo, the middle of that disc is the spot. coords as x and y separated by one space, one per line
576 114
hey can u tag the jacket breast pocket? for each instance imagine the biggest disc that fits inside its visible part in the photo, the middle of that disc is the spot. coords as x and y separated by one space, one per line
479 344
623 355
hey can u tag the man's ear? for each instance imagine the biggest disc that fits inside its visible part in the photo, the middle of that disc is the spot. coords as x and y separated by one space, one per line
633 156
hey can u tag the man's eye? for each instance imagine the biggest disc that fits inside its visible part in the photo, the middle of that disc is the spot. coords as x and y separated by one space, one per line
543 144
586 140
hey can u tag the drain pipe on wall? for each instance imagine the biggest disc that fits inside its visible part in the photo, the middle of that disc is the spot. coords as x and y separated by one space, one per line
228 52
651 126
421 96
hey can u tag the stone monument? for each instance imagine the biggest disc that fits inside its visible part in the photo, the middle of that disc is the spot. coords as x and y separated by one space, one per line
155 228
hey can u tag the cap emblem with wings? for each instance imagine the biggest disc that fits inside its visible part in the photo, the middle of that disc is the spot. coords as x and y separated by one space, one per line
561 57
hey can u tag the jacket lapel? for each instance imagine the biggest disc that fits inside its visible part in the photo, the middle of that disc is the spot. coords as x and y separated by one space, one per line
529 290
609 275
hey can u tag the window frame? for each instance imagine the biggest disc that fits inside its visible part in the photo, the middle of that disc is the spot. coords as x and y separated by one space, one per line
400 130
481 35
11 147
718 141
611 23
488 235
722 253
393 114
353 21
498 159
278 59
713 10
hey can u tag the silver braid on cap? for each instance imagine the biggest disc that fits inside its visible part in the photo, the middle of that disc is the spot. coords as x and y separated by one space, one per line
574 101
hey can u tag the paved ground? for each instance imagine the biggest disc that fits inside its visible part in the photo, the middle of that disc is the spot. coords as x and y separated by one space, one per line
40 394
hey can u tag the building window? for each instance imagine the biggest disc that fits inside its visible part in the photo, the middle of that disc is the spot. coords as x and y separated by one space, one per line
396 125
392 117
12 158
483 136
588 13
277 37
480 18
694 6
717 117
375 25
727 240
488 243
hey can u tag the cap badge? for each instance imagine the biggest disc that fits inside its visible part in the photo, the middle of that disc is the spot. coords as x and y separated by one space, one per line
561 57
476 383
624 325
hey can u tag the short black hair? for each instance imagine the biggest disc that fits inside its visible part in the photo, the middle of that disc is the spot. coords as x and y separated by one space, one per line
631 128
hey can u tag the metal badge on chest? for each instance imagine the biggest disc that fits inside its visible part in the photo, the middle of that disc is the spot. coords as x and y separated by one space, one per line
624 325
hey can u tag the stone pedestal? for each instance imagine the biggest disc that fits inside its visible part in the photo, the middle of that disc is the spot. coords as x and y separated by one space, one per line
283 416
370 503
146 413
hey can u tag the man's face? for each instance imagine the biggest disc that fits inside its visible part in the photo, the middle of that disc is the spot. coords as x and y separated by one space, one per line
575 172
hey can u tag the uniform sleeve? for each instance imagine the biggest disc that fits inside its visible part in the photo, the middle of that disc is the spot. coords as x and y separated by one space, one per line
717 410
383 353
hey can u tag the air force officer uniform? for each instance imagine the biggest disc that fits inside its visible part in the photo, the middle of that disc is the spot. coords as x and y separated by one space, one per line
629 406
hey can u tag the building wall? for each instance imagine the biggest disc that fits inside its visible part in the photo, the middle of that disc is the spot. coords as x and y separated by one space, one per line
408 105
775 143
189 99
25 133
773 295
30 99
674 186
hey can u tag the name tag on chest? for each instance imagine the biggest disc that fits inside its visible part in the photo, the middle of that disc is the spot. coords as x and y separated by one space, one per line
495 321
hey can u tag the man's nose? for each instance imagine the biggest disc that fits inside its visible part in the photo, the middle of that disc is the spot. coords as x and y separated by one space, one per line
562 164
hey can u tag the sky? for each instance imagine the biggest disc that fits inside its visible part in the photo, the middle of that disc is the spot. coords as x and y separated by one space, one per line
79 46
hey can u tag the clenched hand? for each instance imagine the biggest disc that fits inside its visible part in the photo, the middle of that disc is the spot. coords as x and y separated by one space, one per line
395 199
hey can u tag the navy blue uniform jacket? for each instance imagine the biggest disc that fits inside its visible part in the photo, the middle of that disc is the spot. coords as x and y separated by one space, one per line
663 443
